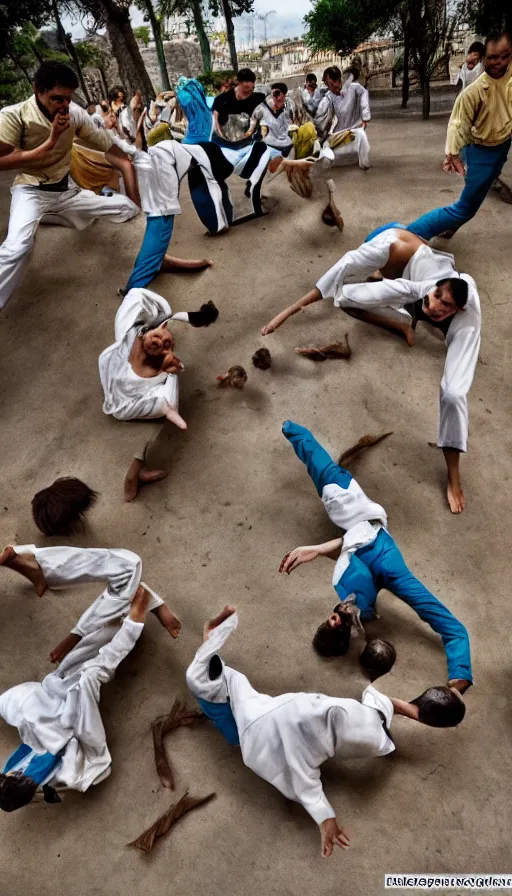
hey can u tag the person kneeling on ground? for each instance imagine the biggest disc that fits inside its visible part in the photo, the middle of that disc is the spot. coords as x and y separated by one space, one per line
286 739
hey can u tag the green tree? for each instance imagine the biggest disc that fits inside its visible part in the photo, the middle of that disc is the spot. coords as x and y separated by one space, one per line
230 9
142 33
486 16
430 31
154 13
114 15
341 25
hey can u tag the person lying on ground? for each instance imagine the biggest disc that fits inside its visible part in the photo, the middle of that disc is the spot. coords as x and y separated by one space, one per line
286 739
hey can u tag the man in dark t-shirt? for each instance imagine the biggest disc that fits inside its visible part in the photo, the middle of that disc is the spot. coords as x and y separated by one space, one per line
232 111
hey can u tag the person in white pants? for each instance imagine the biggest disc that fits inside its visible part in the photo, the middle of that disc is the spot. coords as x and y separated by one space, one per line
139 372
411 282
285 739
57 566
341 120
63 741
36 138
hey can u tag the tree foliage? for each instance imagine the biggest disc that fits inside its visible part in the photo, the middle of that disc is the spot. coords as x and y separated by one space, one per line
142 33
341 25
486 16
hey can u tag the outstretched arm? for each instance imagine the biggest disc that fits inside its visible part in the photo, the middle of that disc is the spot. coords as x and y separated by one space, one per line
308 553
313 296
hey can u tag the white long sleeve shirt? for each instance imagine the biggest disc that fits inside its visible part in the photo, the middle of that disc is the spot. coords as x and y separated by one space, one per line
349 108
426 267
129 396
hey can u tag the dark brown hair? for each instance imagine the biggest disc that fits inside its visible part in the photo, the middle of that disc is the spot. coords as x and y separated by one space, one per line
378 657
329 641
440 707
16 790
60 509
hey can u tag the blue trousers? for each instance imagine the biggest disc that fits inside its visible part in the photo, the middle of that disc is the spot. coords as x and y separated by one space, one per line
320 465
484 164
222 717
381 565
151 254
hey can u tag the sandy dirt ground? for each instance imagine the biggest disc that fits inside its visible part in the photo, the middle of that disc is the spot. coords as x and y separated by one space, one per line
215 531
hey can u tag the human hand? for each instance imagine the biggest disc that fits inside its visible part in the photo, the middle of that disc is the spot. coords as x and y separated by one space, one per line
172 363
332 835
454 164
364 125
294 558
60 123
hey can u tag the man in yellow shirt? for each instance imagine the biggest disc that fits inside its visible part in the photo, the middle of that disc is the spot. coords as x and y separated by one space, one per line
36 138
479 134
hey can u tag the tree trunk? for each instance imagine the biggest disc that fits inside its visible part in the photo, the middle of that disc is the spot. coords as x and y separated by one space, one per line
103 81
126 50
405 76
160 52
204 43
66 42
21 67
230 33
425 93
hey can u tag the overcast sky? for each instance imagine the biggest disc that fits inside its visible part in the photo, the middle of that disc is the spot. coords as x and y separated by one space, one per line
285 22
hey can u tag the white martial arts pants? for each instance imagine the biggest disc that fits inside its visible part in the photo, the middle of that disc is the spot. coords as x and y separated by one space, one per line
73 208
355 152
120 568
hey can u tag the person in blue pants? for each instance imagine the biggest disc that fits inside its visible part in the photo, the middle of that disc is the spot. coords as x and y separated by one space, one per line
478 135
367 559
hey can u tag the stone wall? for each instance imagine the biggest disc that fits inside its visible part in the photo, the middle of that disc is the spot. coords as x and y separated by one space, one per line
183 57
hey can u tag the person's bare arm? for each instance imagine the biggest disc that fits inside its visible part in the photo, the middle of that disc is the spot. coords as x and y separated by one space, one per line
12 158
216 124
313 296
332 835
306 554
118 159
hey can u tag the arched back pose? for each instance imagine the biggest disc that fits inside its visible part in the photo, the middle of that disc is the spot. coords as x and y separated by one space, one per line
414 282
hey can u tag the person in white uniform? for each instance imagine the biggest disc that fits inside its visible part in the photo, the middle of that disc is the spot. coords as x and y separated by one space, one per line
139 371
63 741
274 116
121 569
414 282
36 138
286 739
341 120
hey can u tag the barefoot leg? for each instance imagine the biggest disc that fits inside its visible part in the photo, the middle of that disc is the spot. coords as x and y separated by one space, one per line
454 491
313 296
27 566
136 476
213 623
168 620
64 647
170 264
387 323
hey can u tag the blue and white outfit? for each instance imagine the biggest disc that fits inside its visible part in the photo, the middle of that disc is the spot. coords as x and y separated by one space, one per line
346 282
369 558
62 735
285 739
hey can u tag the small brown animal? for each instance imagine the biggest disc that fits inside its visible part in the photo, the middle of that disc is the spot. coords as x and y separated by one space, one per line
236 377
262 359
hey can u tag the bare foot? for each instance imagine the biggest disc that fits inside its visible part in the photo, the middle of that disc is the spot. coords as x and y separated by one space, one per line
64 647
139 605
213 623
137 476
171 264
168 620
455 495
27 566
